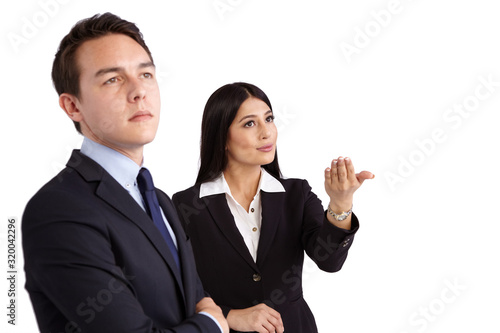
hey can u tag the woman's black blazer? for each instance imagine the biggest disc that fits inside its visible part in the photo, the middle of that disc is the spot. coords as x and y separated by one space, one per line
293 221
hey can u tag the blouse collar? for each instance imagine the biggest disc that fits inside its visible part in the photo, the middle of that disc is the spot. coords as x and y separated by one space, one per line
267 183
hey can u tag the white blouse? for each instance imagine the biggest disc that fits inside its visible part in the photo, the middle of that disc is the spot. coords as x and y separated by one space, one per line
248 223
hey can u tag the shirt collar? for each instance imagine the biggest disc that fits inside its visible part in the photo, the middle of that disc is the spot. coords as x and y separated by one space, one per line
267 183
270 184
119 166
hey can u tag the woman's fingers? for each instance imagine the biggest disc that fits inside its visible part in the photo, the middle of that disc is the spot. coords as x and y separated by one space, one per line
341 170
351 175
334 171
341 178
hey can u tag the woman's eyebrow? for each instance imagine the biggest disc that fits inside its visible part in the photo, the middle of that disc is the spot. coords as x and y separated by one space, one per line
252 115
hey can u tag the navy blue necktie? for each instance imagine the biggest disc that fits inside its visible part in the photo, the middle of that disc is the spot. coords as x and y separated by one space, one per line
147 188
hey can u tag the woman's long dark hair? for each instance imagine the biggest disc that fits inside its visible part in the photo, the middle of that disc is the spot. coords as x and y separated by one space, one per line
219 113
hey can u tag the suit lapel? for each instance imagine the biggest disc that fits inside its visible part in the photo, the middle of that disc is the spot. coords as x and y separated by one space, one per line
219 210
272 204
115 195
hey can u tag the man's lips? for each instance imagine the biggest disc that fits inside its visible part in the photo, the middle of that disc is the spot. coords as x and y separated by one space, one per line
266 148
141 116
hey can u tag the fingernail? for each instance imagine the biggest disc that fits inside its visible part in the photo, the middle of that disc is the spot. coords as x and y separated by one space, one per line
347 158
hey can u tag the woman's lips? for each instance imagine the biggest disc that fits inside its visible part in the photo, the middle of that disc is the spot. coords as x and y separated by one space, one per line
266 148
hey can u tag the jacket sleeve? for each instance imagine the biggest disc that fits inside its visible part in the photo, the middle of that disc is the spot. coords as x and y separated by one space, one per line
326 244
74 277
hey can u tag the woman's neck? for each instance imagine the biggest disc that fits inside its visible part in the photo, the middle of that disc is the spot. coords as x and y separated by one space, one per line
243 183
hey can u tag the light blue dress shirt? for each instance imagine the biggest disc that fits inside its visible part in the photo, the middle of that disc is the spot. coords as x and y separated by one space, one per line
122 169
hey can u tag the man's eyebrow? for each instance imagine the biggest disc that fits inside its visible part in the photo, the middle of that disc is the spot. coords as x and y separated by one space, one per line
147 64
107 70
252 115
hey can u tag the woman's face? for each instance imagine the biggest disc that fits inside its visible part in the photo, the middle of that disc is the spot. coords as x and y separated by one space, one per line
252 135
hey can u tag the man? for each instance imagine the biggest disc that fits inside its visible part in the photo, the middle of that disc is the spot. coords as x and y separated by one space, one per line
94 259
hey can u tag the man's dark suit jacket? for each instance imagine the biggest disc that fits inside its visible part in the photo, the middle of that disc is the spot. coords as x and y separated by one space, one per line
292 221
94 259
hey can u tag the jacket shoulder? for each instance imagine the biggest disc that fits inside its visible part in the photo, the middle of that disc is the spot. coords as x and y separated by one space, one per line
187 195
64 183
71 191
294 184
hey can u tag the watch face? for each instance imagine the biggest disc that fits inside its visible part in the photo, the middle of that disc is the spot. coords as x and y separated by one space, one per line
341 217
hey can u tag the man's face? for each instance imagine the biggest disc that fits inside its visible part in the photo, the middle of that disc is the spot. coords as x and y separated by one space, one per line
119 103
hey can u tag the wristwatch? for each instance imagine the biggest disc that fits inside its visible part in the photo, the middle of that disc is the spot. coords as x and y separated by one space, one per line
339 217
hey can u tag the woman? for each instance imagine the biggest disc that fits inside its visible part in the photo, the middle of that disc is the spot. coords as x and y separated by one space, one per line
249 227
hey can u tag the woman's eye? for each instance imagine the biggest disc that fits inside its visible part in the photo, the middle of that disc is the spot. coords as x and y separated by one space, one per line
249 124
270 119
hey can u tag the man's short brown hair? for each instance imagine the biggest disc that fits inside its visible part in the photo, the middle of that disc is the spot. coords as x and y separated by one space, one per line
65 71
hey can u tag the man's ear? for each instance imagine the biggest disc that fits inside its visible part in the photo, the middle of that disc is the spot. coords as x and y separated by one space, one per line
69 103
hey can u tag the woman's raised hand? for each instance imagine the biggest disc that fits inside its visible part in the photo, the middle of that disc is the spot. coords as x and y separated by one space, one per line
341 182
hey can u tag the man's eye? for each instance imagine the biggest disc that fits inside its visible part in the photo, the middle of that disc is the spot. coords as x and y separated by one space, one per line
148 75
112 80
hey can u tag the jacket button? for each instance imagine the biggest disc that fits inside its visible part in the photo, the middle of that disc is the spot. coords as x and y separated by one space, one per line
257 277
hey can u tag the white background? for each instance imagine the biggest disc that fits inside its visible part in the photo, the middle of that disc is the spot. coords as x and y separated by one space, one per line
429 219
